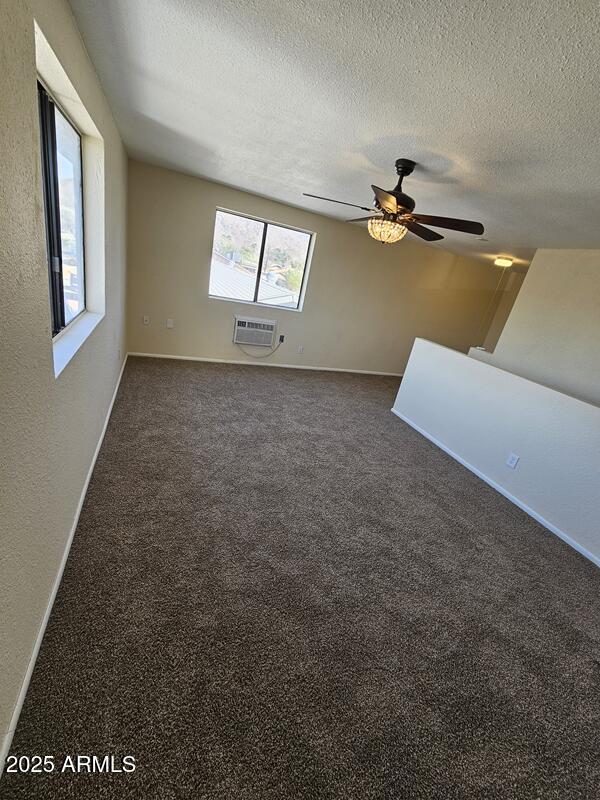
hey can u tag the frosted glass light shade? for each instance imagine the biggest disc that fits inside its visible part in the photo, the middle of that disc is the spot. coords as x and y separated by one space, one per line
386 231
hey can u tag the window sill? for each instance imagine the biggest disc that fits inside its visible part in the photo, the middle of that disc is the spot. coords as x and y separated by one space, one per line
255 304
71 339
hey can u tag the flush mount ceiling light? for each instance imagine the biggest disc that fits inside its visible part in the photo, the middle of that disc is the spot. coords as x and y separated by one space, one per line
386 230
503 262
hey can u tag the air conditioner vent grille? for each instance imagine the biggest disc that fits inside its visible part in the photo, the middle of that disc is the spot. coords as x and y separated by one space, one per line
248 330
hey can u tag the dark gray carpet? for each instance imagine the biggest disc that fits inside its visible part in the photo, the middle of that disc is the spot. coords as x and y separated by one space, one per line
279 590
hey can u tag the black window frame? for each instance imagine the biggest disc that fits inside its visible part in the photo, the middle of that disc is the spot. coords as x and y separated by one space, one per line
49 153
266 223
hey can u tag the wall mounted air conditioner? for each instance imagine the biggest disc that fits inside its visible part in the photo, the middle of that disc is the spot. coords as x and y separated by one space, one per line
250 330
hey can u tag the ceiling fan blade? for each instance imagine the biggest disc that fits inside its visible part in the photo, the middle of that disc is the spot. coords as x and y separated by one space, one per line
386 200
420 230
342 202
464 225
364 219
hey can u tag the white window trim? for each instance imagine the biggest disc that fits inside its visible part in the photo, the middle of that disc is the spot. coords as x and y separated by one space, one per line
52 74
262 305
66 343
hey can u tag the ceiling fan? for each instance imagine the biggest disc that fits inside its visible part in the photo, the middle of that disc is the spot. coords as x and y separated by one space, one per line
393 217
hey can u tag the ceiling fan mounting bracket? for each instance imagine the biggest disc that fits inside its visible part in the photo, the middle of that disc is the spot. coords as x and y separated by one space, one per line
404 166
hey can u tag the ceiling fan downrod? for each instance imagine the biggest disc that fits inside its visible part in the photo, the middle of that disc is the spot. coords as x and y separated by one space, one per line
404 167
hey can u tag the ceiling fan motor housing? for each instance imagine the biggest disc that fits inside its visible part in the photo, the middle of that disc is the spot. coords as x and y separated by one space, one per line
405 202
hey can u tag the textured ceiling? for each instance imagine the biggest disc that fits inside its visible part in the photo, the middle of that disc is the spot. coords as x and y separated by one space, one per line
498 101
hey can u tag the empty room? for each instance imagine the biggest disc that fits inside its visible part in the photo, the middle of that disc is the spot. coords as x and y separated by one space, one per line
300 400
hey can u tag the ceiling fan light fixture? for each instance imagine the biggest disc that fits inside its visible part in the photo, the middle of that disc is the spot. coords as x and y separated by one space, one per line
503 262
386 230
395 217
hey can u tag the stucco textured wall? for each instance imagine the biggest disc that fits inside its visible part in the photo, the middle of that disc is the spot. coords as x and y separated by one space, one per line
365 302
50 427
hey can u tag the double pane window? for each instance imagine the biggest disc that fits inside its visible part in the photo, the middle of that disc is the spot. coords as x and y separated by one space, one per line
258 262
63 201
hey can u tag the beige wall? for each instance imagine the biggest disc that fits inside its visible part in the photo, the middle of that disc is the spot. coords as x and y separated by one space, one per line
481 414
553 331
49 427
509 288
364 305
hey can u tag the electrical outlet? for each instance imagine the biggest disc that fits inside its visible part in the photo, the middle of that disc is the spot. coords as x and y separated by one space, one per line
512 461
300 348
146 319
170 323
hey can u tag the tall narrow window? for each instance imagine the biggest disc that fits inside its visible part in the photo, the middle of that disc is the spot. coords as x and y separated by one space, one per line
258 262
63 201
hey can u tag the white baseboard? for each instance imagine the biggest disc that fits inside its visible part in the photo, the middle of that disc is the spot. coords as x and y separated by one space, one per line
8 736
263 364
499 488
